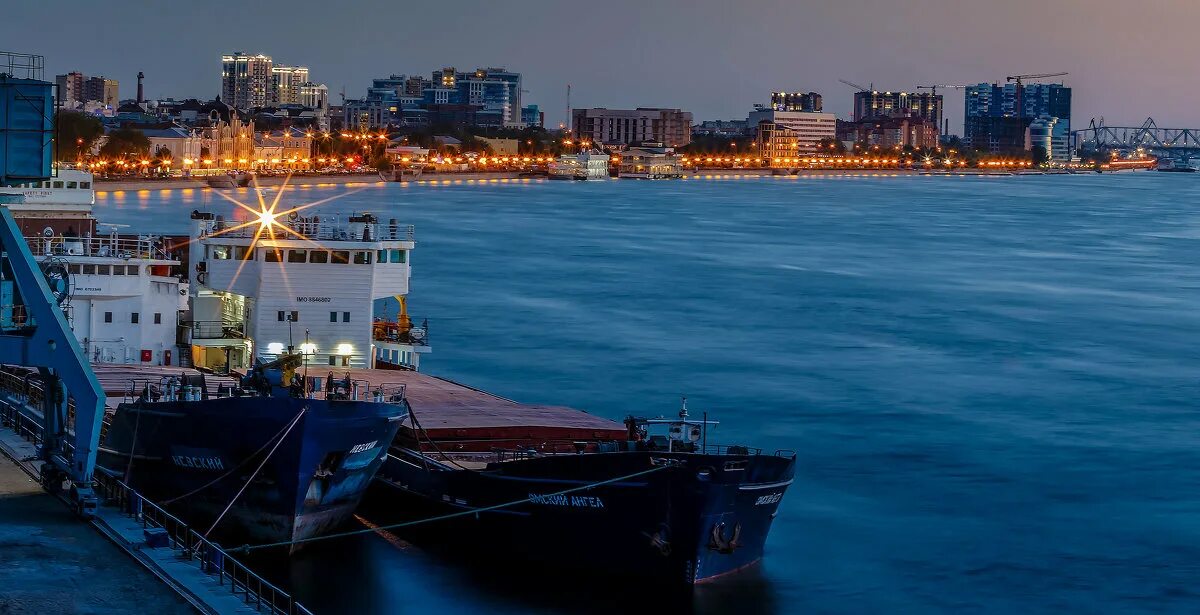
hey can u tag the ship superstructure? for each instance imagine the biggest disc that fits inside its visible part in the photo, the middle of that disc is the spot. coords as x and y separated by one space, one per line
305 285
122 293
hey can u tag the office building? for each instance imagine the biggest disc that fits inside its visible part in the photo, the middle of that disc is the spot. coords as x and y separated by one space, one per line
671 127
999 117
485 97
285 84
246 80
809 127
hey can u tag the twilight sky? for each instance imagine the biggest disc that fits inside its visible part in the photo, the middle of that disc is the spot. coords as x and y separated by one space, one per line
1128 59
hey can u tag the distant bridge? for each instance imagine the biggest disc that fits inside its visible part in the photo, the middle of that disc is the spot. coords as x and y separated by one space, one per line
1147 137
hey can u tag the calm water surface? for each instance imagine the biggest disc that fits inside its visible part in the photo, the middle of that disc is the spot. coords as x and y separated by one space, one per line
991 382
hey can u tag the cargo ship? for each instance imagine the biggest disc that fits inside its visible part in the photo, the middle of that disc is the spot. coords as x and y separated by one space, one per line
554 485
272 456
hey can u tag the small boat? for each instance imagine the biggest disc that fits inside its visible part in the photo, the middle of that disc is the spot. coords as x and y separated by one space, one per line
228 181
401 175
274 457
1173 165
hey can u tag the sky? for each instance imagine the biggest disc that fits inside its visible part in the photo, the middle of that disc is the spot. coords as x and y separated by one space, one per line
1127 59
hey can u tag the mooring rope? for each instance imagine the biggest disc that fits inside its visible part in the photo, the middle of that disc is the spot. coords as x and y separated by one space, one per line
462 513
256 470
222 477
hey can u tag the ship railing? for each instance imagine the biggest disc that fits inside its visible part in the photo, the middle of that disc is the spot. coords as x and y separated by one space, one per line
321 228
216 329
390 332
192 547
343 389
101 246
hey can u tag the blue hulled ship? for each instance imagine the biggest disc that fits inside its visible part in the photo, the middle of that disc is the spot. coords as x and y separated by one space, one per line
558 487
273 457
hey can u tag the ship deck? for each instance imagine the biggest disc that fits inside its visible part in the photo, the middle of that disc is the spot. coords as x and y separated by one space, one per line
444 409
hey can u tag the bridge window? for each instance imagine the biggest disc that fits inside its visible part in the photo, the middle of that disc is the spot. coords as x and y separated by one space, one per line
72 184
241 252
362 258
272 255
102 270
399 256
297 256
220 253
318 256
381 257
118 269
85 185
58 184
341 257
89 269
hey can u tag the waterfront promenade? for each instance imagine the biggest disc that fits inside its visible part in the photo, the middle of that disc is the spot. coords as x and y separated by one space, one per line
134 184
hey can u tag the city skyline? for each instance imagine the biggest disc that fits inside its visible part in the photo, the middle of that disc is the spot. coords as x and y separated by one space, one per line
711 59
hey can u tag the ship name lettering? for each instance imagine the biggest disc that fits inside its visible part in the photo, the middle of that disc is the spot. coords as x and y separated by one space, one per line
573 501
200 463
365 446
768 499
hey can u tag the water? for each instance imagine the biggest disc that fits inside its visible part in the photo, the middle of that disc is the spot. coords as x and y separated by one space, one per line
991 382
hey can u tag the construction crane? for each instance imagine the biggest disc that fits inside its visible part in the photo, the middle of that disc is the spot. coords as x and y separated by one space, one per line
1020 93
856 86
953 86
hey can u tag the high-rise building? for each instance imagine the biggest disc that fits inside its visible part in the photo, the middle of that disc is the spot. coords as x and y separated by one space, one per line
285 84
1000 117
70 88
313 95
874 105
246 80
102 90
77 89
671 127
485 97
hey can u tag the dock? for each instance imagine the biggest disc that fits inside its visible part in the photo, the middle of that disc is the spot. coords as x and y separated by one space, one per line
52 562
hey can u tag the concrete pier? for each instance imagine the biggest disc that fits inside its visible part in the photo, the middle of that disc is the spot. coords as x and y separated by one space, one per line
51 562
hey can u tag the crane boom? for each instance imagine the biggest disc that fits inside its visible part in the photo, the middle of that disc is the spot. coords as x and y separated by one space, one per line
1019 78
855 85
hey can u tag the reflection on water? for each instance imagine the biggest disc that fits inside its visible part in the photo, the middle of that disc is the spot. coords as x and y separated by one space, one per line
990 382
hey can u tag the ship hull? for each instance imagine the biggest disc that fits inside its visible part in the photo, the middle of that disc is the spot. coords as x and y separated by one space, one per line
691 522
312 477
